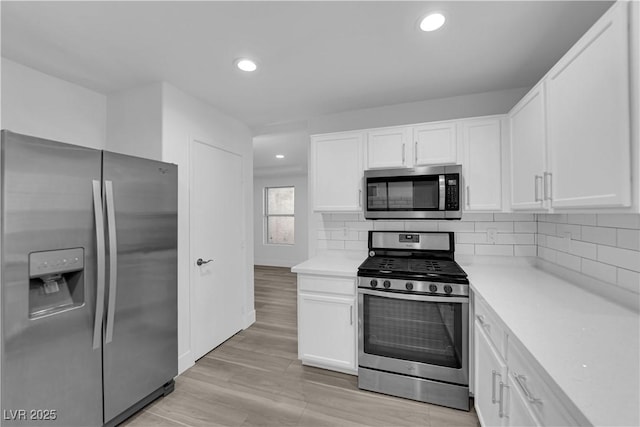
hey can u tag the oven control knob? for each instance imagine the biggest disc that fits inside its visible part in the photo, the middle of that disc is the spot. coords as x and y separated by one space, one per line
373 283
433 288
409 286
448 289
386 284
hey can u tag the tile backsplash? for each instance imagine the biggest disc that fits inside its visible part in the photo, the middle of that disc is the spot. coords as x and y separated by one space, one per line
603 246
476 233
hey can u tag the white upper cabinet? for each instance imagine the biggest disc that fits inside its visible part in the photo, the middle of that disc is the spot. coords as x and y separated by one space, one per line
528 151
387 147
336 171
588 117
482 165
434 143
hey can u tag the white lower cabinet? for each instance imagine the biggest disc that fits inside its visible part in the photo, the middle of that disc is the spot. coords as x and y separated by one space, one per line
511 389
327 322
490 378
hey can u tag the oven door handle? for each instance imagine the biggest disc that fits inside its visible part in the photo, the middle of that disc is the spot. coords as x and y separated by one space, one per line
413 297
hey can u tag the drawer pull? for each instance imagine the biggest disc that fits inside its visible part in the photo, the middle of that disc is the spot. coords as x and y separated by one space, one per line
521 380
494 374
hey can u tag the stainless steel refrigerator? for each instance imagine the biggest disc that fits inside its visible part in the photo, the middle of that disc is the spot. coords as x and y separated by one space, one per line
89 283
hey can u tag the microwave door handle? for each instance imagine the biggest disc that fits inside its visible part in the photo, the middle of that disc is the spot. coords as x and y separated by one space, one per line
443 192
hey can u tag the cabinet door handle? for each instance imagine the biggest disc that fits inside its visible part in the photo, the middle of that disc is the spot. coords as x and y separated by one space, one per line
494 374
415 153
351 315
520 380
501 405
537 179
403 154
547 185
360 197
468 196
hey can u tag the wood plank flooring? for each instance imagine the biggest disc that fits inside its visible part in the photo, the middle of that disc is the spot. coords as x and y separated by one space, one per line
256 379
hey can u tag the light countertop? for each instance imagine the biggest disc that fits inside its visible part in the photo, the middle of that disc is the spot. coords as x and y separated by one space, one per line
588 345
332 263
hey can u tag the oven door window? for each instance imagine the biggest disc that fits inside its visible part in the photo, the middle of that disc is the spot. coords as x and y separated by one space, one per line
403 194
420 331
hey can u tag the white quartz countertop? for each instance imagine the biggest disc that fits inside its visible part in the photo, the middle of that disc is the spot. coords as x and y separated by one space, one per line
588 345
332 263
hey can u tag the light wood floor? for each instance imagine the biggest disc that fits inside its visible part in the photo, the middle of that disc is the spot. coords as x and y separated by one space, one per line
255 378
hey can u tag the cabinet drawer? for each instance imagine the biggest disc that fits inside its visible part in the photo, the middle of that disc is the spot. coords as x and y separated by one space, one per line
545 402
327 285
491 325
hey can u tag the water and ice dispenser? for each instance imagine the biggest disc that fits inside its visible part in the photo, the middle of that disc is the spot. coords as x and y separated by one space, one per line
56 281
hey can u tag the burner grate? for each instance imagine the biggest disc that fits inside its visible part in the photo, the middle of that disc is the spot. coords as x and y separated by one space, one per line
425 266
421 266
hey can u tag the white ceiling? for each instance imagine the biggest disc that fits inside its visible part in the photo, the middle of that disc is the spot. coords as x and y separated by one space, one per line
315 58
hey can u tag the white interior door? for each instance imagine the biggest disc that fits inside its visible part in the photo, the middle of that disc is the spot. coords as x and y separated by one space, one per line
216 235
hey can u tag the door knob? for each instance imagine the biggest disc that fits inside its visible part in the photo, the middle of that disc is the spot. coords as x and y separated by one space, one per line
200 261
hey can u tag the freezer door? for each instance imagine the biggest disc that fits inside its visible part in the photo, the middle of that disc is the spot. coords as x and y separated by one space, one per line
51 372
141 346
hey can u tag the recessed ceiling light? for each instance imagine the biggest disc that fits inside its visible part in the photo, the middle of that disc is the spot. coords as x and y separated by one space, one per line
279 156
246 65
432 22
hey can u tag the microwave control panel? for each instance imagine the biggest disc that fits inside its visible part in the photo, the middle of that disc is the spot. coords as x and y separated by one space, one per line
452 197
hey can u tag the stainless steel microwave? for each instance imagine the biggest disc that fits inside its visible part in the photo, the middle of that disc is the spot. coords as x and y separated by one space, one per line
426 192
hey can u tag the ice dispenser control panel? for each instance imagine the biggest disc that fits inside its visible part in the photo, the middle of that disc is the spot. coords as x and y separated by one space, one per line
55 262
56 281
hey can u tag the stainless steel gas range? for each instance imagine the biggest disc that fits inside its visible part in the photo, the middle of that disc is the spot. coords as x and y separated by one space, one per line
413 317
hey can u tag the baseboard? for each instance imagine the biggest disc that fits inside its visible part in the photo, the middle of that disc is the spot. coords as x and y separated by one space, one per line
185 361
249 319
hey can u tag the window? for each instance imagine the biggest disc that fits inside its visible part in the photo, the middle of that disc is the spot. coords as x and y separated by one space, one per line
279 213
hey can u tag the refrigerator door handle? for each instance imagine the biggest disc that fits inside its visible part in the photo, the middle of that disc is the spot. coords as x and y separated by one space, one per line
113 260
100 250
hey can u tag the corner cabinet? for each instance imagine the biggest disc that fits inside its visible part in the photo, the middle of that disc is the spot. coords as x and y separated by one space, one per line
588 117
336 172
511 389
528 151
327 321
571 134
482 164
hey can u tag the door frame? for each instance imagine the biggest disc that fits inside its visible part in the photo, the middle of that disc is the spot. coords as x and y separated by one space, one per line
193 139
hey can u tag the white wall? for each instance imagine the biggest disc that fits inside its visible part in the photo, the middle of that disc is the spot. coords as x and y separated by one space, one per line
134 122
37 104
457 107
186 118
280 255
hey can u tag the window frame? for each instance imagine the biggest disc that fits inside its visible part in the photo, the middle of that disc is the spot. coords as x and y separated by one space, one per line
267 215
